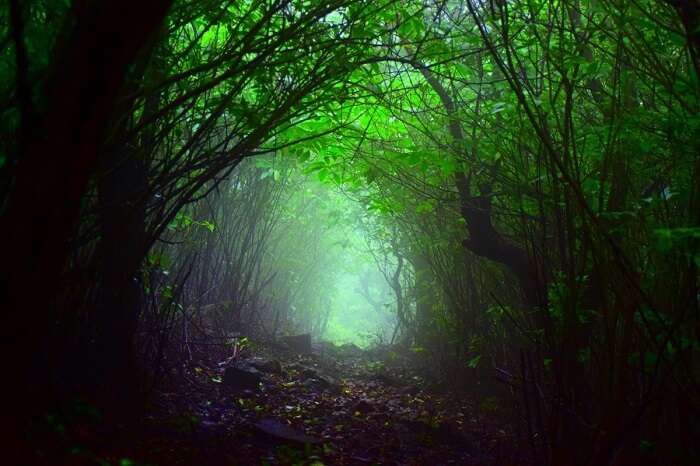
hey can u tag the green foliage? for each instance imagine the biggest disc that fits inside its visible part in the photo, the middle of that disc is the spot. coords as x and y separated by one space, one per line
182 222
479 182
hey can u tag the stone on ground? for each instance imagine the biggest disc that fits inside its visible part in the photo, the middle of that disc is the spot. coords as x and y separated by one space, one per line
270 366
280 431
298 343
239 378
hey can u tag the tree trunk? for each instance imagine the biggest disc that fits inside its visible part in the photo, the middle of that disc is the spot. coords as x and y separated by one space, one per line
122 191
425 296
51 178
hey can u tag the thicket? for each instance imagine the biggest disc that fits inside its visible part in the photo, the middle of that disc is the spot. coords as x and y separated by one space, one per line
525 173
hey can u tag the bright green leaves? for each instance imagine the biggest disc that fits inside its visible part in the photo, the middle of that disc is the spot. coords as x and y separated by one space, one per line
383 206
315 126
462 70
448 166
326 169
412 28
183 221
208 225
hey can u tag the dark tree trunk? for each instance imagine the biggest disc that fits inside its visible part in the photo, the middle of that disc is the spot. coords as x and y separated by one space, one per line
122 190
425 296
485 241
55 163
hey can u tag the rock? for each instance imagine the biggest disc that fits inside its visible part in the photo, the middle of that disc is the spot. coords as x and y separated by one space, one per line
313 378
239 378
280 431
326 382
298 343
304 372
325 347
323 382
270 366
350 349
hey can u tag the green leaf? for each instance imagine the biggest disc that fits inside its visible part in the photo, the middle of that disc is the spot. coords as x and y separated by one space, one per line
208 225
474 362
463 70
323 175
425 207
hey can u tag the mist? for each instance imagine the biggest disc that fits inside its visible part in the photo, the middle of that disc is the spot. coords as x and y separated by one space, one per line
305 232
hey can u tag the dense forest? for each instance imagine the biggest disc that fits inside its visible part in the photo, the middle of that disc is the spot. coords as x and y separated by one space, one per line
350 232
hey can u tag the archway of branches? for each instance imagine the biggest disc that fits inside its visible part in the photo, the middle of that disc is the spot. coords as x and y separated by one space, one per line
504 194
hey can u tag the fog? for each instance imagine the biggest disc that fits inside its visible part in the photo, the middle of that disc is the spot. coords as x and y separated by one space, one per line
341 293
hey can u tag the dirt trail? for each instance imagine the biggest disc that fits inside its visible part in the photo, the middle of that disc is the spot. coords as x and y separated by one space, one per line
336 406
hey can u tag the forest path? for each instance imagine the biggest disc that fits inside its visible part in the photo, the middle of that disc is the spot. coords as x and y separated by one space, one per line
335 406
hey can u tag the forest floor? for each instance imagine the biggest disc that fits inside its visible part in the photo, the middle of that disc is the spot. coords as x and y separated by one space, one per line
334 406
